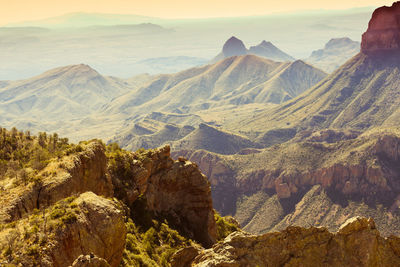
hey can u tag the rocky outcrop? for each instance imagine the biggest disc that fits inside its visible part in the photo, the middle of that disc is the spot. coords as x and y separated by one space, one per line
357 243
221 177
90 261
99 229
176 190
78 173
383 32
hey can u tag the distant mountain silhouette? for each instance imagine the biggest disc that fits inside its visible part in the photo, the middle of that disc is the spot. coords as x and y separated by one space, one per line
336 52
235 47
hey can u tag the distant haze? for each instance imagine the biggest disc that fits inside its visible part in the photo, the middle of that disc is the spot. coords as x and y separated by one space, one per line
23 10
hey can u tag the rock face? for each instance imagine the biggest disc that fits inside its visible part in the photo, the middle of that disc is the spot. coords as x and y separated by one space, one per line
175 189
383 32
95 226
86 171
357 243
234 47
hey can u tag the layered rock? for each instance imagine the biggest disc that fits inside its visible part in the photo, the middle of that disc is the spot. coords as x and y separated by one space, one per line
78 173
60 235
176 190
357 243
383 32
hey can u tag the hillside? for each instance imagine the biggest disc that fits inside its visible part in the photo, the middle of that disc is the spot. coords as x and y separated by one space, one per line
322 179
96 205
90 199
235 80
62 93
361 94
214 140
270 51
335 53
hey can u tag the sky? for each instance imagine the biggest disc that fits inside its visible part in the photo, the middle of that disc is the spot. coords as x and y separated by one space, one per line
12 11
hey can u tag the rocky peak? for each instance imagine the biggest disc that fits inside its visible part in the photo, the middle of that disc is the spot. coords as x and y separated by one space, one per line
234 47
383 32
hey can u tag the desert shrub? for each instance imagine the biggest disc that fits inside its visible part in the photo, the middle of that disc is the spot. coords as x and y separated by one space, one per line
224 227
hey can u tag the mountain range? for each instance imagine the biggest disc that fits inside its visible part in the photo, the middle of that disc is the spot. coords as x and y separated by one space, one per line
235 47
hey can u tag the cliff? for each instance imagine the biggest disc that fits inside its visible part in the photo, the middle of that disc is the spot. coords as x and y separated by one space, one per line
383 34
357 243
82 207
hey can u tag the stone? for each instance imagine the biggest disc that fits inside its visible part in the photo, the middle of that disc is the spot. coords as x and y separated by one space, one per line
383 33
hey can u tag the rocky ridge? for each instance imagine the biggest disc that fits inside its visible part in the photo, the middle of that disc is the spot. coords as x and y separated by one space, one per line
383 34
357 243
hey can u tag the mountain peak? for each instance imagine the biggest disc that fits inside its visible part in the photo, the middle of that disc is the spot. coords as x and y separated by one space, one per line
383 33
234 47
270 51
339 42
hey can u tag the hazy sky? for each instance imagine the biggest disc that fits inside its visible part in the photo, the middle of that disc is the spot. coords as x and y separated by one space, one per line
23 10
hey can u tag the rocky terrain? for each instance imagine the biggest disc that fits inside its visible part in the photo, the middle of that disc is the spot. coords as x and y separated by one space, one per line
383 31
83 202
97 205
317 180
357 243
335 53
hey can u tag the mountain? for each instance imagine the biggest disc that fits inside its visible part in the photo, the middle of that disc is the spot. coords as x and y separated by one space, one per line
361 94
270 51
232 47
97 205
212 139
150 134
61 93
336 52
235 47
235 80
322 179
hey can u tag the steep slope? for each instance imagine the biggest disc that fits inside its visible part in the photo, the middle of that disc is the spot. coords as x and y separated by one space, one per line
235 80
270 189
232 47
270 51
335 53
61 93
97 200
361 94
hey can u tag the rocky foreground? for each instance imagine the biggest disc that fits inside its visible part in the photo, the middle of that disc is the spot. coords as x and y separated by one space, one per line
98 205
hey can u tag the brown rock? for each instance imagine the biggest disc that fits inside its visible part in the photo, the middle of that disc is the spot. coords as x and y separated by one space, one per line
176 190
99 229
90 261
184 257
182 192
383 32
358 243
85 171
